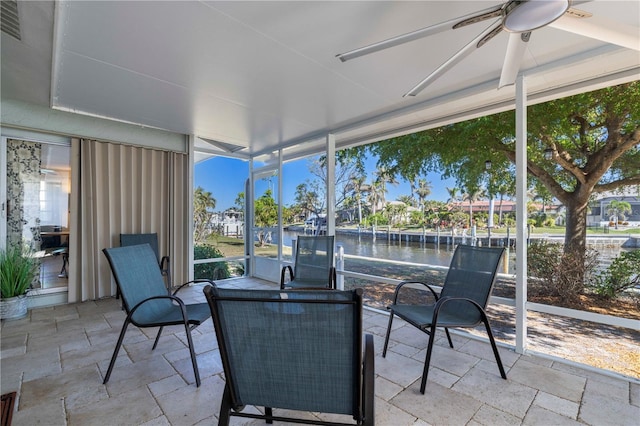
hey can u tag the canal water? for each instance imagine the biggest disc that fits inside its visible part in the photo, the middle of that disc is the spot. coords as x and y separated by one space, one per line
419 252
381 248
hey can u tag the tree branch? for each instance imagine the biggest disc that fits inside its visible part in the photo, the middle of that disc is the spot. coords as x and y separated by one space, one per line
541 174
610 186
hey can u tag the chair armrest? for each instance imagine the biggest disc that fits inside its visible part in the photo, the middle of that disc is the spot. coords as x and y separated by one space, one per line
165 269
403 283
196 281
448 299
285 268
165 265
166 296
444 300
368 381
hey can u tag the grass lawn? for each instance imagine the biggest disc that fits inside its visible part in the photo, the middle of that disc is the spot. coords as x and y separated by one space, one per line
232 247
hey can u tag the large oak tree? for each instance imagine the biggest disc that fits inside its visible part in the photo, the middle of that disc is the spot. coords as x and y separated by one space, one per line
594 137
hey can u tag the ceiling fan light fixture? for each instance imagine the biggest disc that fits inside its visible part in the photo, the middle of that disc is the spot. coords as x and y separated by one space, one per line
527 15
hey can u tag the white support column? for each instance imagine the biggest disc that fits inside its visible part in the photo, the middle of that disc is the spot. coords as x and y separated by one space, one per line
189 208
521 215
340 267
249 201
280 226
331 184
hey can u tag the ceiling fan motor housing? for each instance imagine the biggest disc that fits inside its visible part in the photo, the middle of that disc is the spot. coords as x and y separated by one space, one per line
520 16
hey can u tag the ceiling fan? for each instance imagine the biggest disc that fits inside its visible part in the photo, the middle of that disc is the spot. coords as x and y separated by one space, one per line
519 18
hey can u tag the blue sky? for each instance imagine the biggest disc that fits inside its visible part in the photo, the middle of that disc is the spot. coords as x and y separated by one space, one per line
225 178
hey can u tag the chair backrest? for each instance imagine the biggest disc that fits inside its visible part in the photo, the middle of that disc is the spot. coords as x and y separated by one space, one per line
472 274
137 239
314 257
298 350
135 269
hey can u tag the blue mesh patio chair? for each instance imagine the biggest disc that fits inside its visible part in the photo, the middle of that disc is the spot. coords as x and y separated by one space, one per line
461 303
145 298
151 239
296 350
313 266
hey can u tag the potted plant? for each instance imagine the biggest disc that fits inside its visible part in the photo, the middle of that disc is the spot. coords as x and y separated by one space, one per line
17 269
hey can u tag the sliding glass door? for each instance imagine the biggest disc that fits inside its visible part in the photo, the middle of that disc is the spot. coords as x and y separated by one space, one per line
265 231
35 205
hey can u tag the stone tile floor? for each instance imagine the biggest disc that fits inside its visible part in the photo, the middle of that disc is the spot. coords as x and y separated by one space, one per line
56 359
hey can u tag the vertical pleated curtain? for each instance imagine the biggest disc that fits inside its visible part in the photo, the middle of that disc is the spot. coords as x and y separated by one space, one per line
126 189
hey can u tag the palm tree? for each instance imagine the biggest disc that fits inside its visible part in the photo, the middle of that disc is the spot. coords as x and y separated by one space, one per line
617 209
359 188
453 195
376 196
407 199
203 205
543 195
472 197
422 190
396 212
383 177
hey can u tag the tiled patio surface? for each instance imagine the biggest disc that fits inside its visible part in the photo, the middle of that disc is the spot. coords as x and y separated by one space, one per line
57 357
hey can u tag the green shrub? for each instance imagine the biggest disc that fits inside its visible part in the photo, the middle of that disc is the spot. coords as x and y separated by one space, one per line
621 275
508 220
377 219
540 218
212 270
17 270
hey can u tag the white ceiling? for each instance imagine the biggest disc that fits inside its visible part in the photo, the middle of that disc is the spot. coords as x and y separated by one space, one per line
263 74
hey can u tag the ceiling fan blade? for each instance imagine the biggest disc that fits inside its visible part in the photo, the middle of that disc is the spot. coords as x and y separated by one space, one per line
600 29
479 17
513 58
460 55
411 36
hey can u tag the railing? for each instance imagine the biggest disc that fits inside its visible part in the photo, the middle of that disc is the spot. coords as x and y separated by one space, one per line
536 307
342 273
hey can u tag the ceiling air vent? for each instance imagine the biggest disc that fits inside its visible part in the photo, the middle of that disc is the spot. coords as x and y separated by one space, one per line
9 18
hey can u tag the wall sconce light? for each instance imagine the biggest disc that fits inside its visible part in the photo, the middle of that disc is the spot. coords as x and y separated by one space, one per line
487 165
548 154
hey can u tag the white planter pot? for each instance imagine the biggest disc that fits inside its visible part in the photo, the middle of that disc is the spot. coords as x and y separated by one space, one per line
13 308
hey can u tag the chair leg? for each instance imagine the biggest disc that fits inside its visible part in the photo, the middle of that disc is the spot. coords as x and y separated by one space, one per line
446 330
386 339
427 361
268 411
193 355
494 346
368 383
155 343
116 350
225 408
